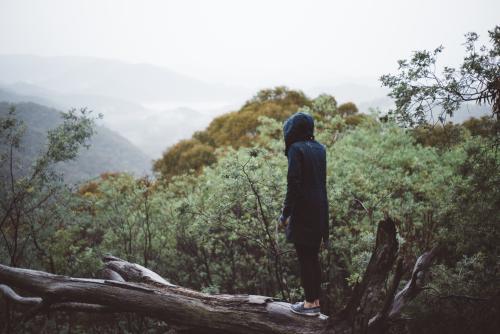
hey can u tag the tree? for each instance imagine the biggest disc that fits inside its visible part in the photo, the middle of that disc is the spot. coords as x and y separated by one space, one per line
347 109
423 95
28 194
464 288
325 106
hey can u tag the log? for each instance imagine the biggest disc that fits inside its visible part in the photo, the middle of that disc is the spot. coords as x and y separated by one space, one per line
176 306
129 287
133 272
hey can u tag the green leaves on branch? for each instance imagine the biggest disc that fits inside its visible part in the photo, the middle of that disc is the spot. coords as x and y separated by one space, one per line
425 93
75 132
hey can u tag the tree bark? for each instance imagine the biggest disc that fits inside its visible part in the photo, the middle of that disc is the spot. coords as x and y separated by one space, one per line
174 305
129 287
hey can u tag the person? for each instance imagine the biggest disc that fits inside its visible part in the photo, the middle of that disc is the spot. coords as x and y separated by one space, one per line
305 208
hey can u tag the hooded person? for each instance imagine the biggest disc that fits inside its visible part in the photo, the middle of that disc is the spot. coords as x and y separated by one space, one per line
306 201
306 204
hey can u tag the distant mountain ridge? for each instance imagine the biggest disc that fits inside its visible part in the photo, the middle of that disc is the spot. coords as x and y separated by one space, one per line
109 152
122 92
96 76
131 120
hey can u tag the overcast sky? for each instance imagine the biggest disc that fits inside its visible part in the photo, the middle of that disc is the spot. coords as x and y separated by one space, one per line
253 43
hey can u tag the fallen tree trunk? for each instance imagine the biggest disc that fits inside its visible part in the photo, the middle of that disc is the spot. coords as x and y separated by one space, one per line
129 287
174 305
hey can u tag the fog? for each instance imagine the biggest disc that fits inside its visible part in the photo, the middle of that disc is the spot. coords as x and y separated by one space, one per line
159 70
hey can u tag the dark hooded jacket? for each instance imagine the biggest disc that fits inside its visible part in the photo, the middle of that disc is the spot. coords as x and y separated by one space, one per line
306 201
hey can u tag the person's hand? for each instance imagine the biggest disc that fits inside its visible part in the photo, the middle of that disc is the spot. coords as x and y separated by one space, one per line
283 222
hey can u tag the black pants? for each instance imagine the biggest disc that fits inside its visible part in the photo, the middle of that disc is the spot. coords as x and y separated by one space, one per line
310 271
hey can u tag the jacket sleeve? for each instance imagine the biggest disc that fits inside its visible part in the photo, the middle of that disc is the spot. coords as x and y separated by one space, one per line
294 180
326 231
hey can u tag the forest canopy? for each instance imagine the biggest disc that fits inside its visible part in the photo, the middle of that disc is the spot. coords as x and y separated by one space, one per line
239 128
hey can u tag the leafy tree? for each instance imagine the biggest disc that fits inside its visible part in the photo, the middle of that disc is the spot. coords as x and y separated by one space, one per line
325 106
464 290
377 170
347 109
29 196
423 95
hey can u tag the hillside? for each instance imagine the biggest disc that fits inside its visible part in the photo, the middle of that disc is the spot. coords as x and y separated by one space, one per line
166 125
109 152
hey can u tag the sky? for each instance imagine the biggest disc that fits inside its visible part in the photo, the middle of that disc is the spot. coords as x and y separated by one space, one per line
249 43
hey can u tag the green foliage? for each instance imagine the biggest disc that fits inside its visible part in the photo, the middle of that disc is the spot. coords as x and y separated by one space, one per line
65 140
422 95
347 109
29 197
104 151
377 170
128 215
227 223
475 216
325 106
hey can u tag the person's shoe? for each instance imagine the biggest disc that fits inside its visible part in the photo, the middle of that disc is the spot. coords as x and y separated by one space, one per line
299 308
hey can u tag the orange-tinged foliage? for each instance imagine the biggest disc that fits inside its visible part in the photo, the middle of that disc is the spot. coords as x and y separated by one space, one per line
236 129
355 119
89 188
92 187
451 134
347 109
439 135
188 154
484 126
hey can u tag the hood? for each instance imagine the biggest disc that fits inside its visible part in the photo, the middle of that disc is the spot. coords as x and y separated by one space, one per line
298 127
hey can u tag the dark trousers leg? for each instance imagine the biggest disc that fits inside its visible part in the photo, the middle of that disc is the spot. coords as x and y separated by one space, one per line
310 271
